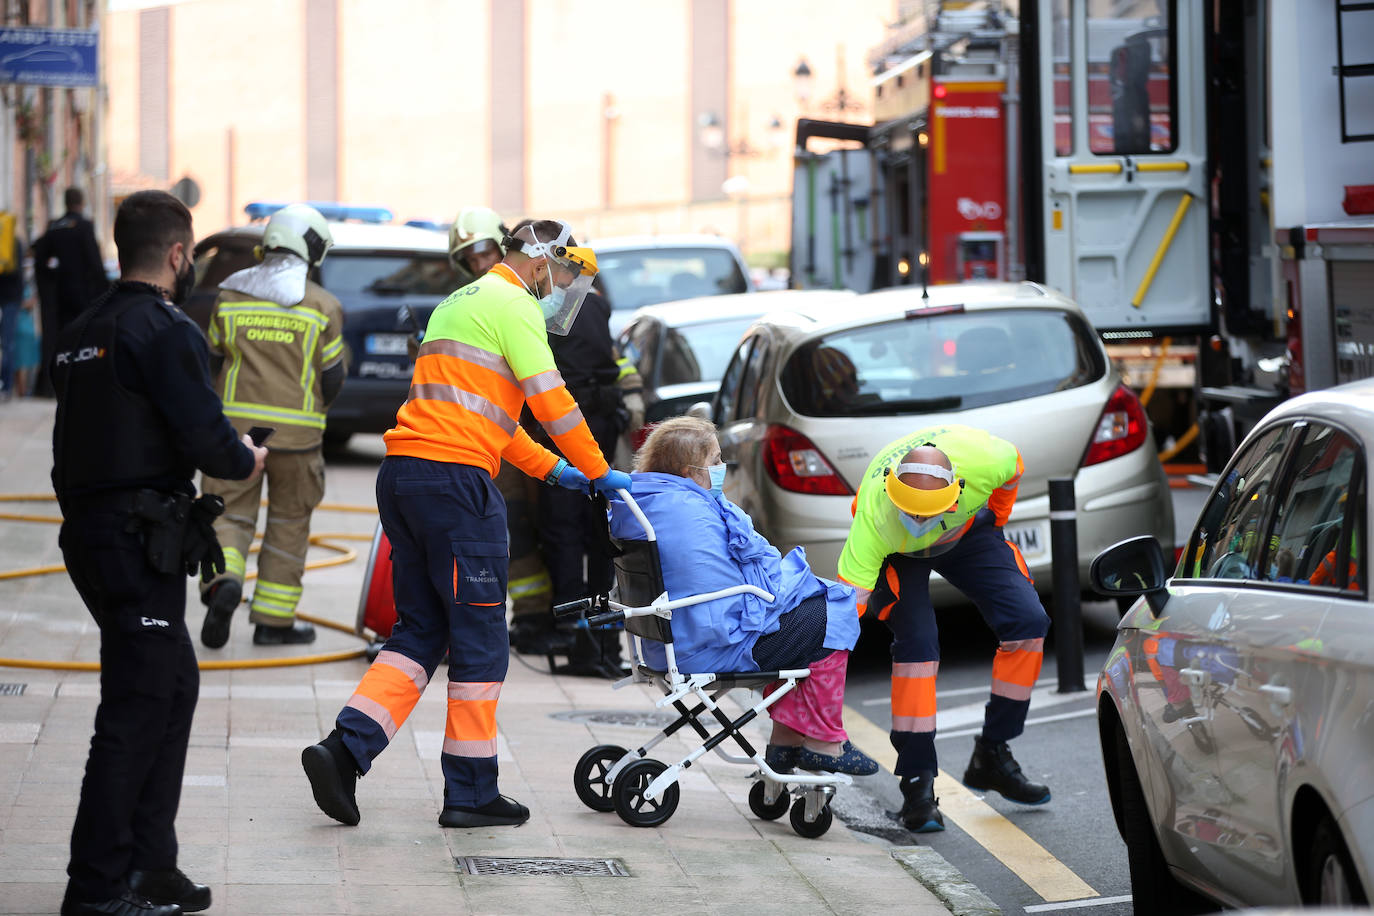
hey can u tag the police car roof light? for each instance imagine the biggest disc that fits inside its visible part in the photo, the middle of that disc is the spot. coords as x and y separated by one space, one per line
334 212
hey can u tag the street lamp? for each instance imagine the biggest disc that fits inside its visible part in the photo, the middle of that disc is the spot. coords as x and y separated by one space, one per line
802 87
802 83
713 138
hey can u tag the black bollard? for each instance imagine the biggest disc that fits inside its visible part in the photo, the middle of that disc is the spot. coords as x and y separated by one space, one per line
1068 610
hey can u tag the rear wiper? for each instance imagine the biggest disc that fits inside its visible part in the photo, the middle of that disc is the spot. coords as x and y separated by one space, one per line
913 405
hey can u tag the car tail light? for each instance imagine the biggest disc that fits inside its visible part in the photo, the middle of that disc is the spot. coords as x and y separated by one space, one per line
794 463
638 436
1121 429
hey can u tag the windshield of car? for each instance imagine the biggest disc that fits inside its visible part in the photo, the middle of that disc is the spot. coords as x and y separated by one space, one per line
349 276
946 362
634 278
699 352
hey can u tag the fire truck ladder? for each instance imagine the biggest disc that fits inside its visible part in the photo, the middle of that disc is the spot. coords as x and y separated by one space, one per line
1345 71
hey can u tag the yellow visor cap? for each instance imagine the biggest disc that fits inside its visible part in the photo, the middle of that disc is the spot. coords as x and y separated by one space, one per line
915 501
582 259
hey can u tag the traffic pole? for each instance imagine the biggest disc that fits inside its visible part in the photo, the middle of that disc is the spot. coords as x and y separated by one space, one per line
1068 609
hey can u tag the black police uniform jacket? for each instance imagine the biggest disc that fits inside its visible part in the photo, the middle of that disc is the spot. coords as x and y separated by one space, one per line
135 406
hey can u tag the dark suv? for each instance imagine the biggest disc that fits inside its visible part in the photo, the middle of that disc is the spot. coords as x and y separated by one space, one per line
388 278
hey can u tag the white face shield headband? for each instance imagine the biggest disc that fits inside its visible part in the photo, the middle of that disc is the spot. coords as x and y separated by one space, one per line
571 270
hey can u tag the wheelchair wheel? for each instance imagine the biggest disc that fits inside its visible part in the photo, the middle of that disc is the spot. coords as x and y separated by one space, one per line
589 776
815 828
628 792
762 808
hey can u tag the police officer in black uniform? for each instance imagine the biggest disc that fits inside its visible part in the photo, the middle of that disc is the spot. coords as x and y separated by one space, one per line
136 416
69 274
572 536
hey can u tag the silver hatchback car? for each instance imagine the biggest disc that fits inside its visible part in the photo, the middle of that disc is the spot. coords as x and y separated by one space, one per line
1237 705
809 398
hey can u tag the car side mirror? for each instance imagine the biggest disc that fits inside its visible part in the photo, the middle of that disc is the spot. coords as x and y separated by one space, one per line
1132 567
701 410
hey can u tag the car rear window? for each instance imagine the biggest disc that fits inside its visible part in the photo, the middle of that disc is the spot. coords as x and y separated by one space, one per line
699 352
953 361
634 278
353 276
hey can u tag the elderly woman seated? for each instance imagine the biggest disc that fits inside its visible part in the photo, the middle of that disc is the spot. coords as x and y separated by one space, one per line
706 543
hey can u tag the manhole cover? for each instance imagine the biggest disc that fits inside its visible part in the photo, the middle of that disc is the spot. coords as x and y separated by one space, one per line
12 690
580 868
629 718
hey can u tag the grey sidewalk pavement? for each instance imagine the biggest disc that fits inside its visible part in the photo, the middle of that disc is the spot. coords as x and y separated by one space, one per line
249 828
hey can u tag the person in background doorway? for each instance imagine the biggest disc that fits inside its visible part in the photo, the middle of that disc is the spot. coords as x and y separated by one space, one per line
68 272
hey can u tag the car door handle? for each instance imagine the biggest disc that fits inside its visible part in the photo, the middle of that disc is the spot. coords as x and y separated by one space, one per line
1278 693
1194 677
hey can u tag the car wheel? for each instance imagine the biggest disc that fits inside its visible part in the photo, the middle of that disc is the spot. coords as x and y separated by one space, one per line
1330 876
1153 888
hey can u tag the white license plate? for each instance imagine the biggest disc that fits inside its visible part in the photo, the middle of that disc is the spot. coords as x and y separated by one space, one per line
1032 538
387 344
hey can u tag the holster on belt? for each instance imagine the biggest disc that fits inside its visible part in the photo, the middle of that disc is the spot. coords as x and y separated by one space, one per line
178 531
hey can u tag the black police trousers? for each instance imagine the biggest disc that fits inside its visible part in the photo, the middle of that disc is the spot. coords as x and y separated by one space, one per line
149 684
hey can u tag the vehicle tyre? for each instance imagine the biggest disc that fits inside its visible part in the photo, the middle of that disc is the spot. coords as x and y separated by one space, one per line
628 792
1329 877
589 776
763 809
811 829
1153 888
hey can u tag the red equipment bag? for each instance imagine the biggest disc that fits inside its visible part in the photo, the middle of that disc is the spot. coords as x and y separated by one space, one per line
377 606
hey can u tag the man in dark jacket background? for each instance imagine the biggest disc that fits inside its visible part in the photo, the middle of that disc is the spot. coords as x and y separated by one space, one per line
69 274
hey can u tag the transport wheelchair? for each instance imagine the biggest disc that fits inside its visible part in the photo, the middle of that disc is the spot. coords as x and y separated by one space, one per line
642 790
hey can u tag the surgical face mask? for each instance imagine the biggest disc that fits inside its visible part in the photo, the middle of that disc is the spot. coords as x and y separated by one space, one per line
186 281
717 474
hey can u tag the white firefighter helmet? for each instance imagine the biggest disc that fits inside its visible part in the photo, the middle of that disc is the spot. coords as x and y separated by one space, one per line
301 229
474 230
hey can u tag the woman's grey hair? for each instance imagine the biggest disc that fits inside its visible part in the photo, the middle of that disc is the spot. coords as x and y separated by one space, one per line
675 445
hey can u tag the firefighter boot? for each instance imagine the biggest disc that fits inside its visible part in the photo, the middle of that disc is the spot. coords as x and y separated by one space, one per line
333 778
992 767
170 885
220 600
298 634
920 808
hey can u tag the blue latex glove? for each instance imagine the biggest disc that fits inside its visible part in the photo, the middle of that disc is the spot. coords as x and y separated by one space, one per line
573 479
611 481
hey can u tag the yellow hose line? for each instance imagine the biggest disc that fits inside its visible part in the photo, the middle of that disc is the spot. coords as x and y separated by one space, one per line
1183 442
1149 391
346 555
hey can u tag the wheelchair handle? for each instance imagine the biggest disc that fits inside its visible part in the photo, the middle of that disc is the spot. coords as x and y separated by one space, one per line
638 513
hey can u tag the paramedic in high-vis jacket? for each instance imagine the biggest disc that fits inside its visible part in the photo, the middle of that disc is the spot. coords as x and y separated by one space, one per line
276 343
485 356
936 500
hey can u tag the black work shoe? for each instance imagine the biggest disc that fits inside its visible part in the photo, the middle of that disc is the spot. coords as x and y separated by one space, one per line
920 808
503 812
220 602
333 778
992 767
298 634
170 886
781 758
126 904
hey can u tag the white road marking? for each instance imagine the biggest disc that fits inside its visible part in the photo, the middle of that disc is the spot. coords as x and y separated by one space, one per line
1077 904
1076 714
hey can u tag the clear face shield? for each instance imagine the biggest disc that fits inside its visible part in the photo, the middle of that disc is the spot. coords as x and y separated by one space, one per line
571 270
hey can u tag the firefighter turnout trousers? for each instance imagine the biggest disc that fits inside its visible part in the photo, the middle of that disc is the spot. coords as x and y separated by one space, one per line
295 486
530 591
447 526
149 683
991 572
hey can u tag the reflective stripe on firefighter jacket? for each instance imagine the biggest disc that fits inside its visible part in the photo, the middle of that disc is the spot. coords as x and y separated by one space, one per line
273 357
485 355
990 469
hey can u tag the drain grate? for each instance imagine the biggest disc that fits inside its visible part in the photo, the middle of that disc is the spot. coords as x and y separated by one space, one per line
626 717
578 868
12 690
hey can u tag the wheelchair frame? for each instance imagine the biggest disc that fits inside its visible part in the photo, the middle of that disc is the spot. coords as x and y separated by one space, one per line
644 791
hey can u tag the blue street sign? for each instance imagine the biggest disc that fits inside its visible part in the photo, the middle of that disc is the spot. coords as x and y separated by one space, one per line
49 57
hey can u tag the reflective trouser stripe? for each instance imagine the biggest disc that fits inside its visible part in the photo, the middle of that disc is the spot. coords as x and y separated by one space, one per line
234 563
529 586
1016 667
387 692
274 599
471 727
913 696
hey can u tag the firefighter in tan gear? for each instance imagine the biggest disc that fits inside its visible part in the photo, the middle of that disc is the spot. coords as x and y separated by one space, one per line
474 247
276 337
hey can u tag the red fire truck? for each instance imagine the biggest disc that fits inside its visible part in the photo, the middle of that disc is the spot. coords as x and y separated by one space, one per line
1195 174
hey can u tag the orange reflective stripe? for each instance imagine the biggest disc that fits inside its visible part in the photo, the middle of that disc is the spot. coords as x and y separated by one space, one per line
1020 561
495 384
471 727
893 582
913 691
1015 672
1004 497
386 695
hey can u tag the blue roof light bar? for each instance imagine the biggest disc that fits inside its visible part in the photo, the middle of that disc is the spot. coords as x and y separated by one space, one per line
335 212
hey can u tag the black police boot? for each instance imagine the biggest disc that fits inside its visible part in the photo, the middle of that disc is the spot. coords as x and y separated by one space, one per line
920 808
170 886
126 904
503 812
535 634
220 601
298 634
992 767
333 778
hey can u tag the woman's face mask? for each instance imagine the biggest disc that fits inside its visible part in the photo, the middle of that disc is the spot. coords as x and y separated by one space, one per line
717 472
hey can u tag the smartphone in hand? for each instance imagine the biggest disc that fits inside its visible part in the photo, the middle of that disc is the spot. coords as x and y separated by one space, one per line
260 434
